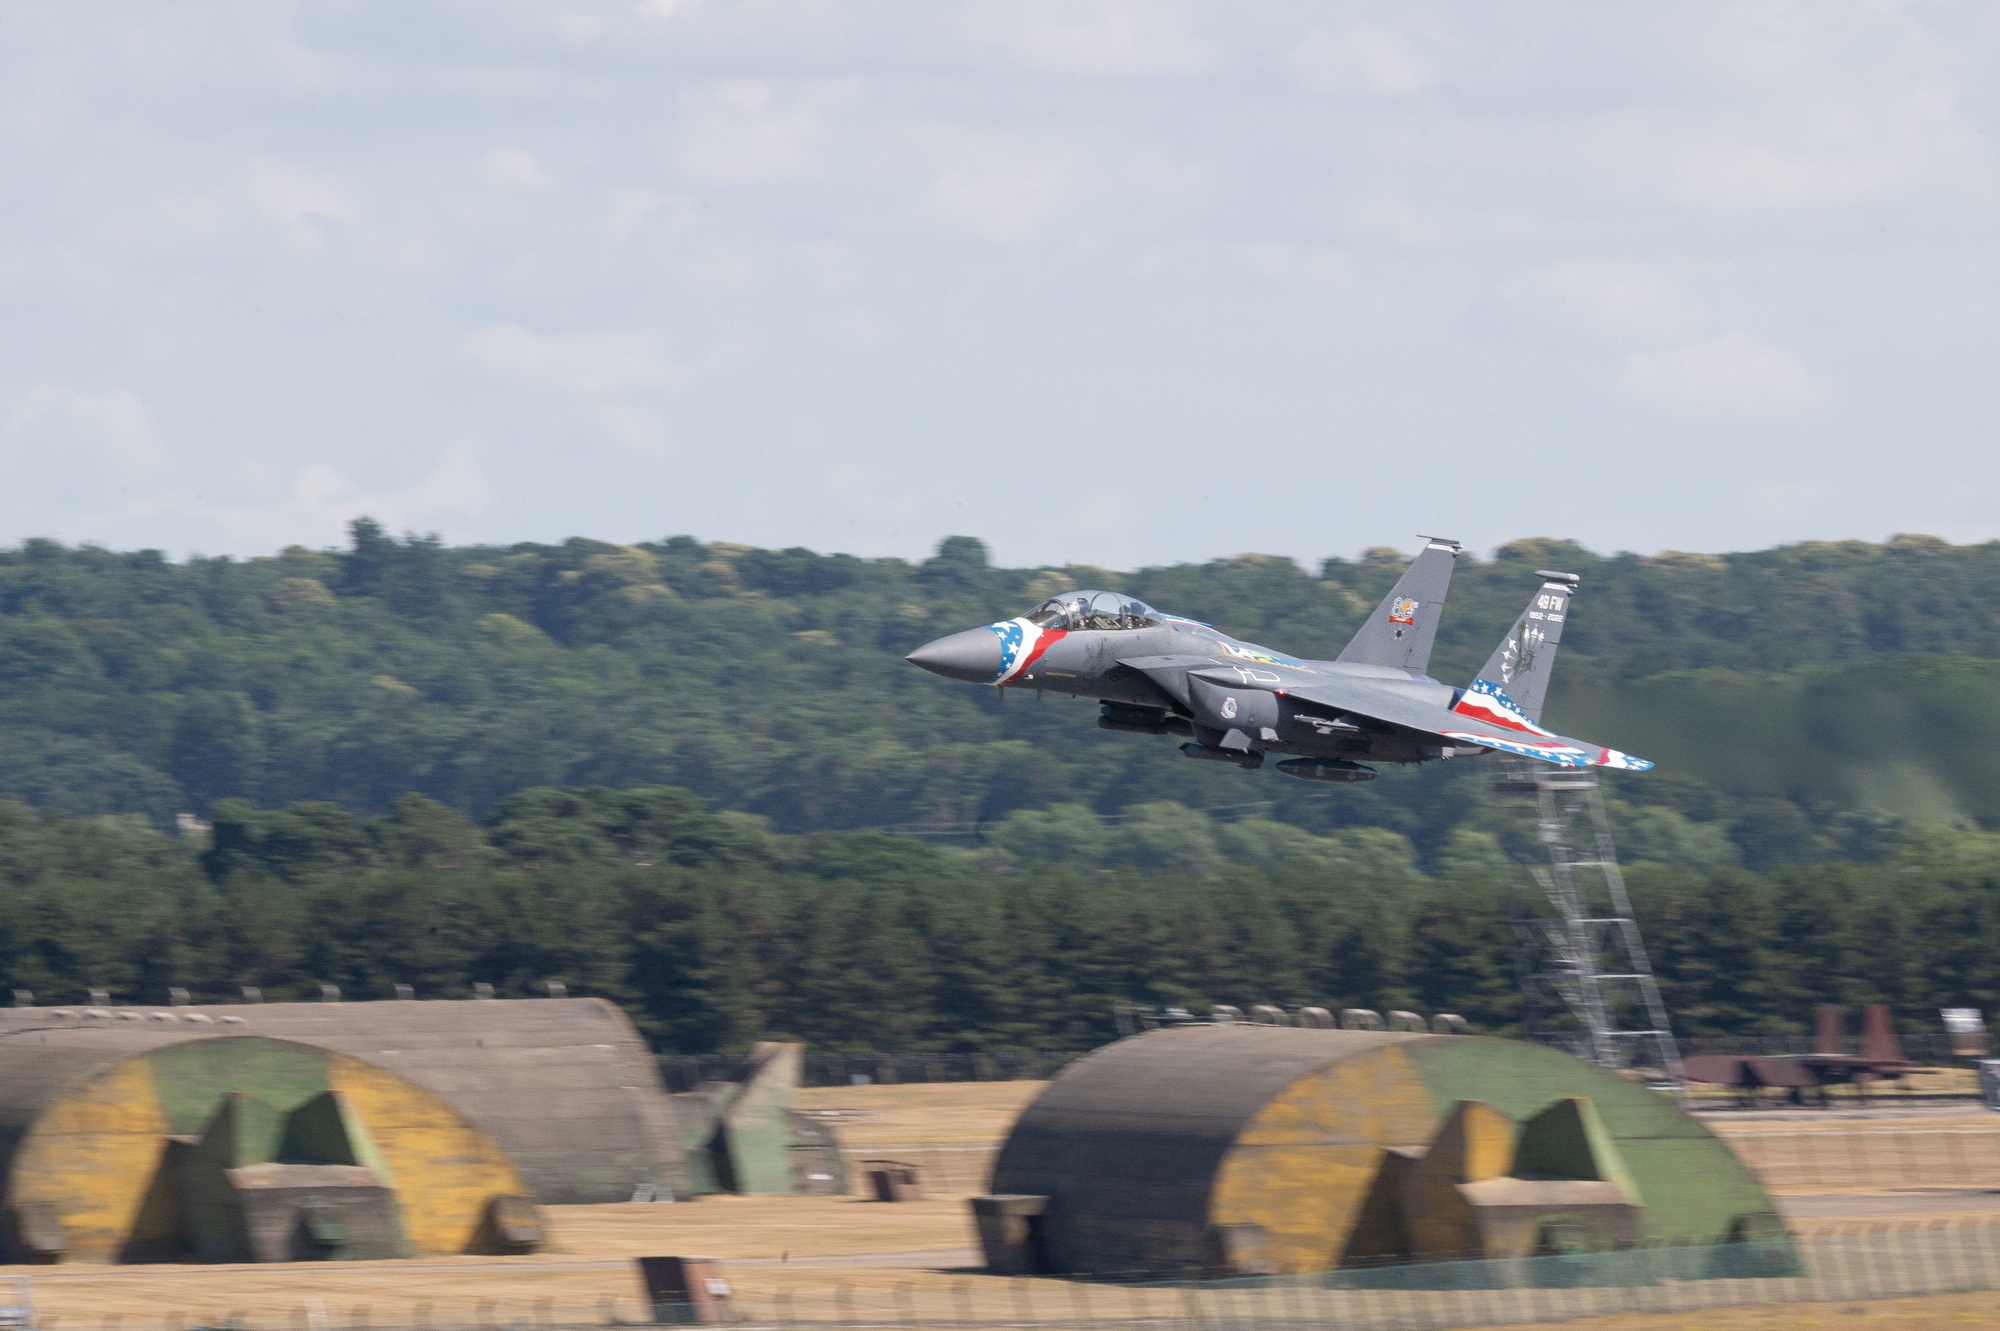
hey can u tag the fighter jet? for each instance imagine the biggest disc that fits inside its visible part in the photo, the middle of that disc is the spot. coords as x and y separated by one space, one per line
1159 674
1829 1063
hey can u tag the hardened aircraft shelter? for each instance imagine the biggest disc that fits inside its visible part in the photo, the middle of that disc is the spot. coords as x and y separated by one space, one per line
1241 1149
242 1148
564 1085
559 1098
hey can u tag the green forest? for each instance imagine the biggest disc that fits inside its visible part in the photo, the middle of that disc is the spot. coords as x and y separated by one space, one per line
714 931
700 779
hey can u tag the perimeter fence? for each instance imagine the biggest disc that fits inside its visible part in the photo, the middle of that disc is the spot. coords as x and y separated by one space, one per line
1836 1268
1813 1158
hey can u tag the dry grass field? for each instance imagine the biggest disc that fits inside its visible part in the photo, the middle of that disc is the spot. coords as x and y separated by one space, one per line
965 1113
1865 1159
478 1293
950 1130
856 1261
773 1247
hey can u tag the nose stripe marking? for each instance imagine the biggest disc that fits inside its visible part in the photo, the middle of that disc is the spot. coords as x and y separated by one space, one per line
1021 645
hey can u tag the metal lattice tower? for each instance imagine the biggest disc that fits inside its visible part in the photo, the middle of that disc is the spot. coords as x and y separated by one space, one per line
1593 958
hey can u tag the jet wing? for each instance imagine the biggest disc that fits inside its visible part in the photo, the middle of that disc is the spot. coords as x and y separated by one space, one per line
1362 698
1169 673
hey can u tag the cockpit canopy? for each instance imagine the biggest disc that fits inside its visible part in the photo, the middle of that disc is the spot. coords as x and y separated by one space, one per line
1093 610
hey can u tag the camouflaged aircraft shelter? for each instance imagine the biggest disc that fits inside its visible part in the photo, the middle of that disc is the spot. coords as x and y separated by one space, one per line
1241 1149
564 1086
123 1147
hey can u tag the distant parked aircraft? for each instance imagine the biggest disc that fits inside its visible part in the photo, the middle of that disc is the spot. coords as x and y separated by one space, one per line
1829 1063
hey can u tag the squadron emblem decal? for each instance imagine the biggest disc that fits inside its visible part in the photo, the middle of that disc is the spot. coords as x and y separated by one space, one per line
1402 610
1519 654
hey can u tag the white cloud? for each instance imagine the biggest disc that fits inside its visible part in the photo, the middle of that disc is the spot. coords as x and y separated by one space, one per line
457 484
583 363
174 220
1734 375
831 265
723 267
92 466
515 167
1621 299
1841 159
1824 136
1813 107
638 430
1614 300
740 133
1298 265
661 10
575 28
1114 38
300 201
1365 58
110 427
1189 218
636 210
320 499
268 508
1000 187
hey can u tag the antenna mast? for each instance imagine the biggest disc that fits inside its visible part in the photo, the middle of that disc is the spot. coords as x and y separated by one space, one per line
1593 959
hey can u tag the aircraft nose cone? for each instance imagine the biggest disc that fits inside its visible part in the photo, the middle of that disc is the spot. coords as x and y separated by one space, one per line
973 655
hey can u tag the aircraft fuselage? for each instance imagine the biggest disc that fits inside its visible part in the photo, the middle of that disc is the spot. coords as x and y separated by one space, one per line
1162 674
1181 676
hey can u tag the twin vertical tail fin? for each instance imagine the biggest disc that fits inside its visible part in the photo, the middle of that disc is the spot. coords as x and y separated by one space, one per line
1510 690
1403 628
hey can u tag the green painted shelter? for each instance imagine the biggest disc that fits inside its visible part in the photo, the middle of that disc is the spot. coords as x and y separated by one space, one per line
241 1148
746 1137
1239 1149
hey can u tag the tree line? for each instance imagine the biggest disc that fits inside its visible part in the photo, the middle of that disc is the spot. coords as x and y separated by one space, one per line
713 930
1805 702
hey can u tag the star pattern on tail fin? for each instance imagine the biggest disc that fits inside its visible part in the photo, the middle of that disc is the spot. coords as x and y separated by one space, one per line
1488 702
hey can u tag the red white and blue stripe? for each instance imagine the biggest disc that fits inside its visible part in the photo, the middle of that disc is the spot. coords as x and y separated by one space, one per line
1021 645
1488 702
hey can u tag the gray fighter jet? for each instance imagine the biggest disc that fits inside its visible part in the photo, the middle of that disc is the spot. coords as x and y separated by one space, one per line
1159 674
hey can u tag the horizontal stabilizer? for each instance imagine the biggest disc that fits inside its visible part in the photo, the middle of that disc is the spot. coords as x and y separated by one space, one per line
1555 749
1359 698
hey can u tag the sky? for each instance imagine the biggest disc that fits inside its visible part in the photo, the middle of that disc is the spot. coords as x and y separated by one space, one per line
1117 282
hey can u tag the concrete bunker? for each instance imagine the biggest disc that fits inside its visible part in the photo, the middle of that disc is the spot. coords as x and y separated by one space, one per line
566 1086
1257 1150
242 1149
746 1137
